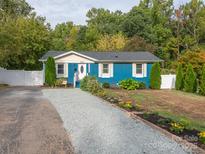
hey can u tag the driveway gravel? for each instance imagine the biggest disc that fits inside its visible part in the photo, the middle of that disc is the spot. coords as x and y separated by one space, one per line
29 124
96 127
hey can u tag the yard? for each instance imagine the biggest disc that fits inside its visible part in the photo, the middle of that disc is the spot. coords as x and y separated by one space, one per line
177 105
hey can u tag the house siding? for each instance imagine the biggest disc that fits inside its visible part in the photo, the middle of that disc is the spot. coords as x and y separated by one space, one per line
121 72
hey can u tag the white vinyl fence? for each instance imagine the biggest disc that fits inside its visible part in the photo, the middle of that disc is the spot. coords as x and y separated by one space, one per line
21 78
168 81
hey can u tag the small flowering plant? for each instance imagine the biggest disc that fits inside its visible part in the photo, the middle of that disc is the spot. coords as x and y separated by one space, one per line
127 105
202 137
176 127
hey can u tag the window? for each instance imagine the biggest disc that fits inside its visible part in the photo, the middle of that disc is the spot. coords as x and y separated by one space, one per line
81 69
105 68
60 68
138 68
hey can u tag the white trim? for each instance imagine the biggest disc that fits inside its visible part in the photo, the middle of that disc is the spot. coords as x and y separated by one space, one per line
105 75
111 70
88 69
141 75
65 70
65 75
76 53
145 69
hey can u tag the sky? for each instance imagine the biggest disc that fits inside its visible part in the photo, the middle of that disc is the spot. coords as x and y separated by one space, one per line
58 11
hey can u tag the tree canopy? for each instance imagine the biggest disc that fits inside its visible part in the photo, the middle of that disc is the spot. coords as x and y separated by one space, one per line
173 34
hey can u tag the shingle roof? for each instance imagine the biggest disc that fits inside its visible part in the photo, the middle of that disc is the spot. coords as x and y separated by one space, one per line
112 56
52 54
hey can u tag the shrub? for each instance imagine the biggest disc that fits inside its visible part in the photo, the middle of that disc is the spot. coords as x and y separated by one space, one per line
94 86
163 121
90 84
59 82
177 127
138 106
142 85
50 72
129 84
127 105
190 80
196 58
179 78
202 82
106 85
168 71
155 76
202 137
83 83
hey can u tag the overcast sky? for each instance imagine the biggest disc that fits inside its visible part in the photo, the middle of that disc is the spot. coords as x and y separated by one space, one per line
58 11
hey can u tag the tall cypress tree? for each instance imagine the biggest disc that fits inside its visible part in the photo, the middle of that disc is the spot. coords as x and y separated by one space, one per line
155 76
50 72
190 83
179 78
202 82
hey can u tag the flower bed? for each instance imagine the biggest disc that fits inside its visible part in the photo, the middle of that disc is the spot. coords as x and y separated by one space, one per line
175 128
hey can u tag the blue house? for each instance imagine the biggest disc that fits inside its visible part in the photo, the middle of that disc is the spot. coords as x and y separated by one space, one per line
109 67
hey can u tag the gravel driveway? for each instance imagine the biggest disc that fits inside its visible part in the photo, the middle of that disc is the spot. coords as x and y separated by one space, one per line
29 124
96 127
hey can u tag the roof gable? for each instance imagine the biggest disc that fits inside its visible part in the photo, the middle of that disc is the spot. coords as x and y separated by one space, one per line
73 58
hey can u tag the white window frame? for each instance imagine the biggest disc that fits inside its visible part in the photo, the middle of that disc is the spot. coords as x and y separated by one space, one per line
139 75
65 67
105 68
105 75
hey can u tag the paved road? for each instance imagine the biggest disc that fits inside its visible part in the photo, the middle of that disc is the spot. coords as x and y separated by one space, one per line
98 128
29 124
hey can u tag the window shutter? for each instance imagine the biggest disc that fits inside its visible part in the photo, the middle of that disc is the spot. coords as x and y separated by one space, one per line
65 70
133 70
111 70
57 70
99 70
145 70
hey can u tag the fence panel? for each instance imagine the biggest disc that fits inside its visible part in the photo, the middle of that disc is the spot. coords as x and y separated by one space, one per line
168 81
21 78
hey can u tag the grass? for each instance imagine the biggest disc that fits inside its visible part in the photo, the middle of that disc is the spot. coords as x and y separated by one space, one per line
138 97
190 123
176 105
195 96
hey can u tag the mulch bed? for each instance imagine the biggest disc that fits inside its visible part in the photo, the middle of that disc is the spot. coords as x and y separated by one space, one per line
189 135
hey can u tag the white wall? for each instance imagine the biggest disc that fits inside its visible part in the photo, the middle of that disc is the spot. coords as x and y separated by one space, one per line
168 81
21 78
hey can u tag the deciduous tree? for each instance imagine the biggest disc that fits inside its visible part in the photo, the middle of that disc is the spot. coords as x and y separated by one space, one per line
111 43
